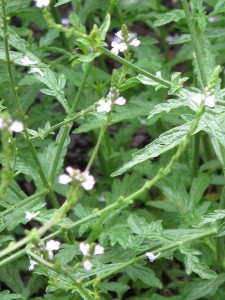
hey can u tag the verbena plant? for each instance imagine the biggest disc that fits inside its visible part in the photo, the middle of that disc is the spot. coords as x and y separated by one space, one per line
124 221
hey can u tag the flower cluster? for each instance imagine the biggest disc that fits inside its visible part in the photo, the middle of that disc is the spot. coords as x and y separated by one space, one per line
42 3
208 99
122 42
86 180
16 126
85 250
49 247
113 97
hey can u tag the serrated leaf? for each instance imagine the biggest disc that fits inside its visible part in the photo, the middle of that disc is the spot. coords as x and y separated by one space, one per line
163 108
47 39
129 84
61 2
146 275
171 16
211 218
50 80
200 289
104 27
165 142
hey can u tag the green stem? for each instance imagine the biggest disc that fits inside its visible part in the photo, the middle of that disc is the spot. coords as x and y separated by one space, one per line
196 148
20 110
172 246
220 241
196 44
68 120
135 68
95 151
57 19
66 129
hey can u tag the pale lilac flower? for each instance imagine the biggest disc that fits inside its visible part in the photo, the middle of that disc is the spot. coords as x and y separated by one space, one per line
52 246
151 256
212 19
104 106
120 101
87 265
32 264
30 216
65 22
84 248
98 250
86 180
16 126
26 61
36 70
42 3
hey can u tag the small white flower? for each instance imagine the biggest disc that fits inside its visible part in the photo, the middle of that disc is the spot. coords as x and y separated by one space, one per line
30 216
197 98
86 180
119 34
16 126
212 19
32 264
41 3
104 106
120 101
135 42
52 246
36 70
64 179
25 61
151 256
87 265
84 248
99 250
210 101
118 47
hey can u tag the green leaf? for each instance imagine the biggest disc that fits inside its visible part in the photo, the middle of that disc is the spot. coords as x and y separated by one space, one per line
165 142
54 86
47 39
202 289
145 275
192 264
61 2
105 27
5 295
163 108
142 228
171 16
198 188
66 254
119 234
211 218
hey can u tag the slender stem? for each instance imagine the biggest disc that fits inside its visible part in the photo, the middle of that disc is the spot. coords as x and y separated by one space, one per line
68 120
196 43
66 129
95 151
196 148
57 19
135 68
20 110
172 246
